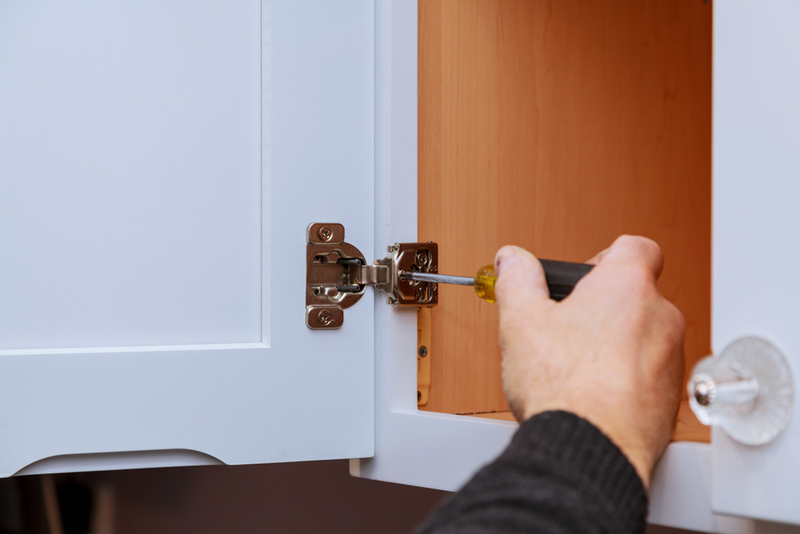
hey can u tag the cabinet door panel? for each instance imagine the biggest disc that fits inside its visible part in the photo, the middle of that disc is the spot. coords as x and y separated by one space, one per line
132 175
159 164
756 231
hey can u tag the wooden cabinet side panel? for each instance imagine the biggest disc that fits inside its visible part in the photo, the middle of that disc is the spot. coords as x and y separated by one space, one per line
558 126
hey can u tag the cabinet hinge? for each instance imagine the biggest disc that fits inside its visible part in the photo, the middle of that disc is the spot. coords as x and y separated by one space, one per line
337 275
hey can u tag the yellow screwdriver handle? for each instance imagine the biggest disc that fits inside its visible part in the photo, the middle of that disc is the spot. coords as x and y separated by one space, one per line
561 278
484 283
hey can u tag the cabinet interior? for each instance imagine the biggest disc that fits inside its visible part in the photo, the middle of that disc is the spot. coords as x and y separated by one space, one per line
558 126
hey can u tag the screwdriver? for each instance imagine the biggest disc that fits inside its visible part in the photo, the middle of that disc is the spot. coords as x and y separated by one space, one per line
561 278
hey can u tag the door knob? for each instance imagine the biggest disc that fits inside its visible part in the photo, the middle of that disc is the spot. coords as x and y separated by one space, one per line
747 390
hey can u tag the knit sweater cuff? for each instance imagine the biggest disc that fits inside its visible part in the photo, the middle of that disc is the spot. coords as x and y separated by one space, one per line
580 452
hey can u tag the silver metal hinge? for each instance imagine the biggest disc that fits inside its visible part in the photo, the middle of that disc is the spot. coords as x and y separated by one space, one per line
337 275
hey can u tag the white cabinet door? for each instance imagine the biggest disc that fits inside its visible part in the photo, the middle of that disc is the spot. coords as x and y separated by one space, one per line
159 164
757 232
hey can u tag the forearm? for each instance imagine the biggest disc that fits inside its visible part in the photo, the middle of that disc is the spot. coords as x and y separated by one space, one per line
560 474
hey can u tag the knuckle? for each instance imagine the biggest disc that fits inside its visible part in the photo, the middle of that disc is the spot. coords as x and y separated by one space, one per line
641 248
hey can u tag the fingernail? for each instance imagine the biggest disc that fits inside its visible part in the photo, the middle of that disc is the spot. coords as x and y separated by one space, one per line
504 255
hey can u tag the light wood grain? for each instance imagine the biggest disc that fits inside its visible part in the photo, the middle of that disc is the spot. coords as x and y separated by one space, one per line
500 416
558 126
687 427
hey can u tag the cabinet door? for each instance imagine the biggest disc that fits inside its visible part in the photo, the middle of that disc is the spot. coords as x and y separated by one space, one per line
159 165
756 232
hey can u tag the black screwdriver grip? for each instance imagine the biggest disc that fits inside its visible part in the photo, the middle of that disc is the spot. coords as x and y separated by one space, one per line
562 276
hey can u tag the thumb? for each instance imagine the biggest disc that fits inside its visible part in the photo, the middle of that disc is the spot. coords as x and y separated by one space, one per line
521 283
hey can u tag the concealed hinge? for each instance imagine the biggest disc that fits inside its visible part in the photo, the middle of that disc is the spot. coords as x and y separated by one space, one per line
337 275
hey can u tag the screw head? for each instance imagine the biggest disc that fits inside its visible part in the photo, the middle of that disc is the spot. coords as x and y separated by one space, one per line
422 258
423 351
325 233
324 317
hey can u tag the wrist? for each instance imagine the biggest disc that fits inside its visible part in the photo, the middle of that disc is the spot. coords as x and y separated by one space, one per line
637 454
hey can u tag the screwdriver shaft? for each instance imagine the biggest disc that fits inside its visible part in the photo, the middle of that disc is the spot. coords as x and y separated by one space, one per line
438 278
561 277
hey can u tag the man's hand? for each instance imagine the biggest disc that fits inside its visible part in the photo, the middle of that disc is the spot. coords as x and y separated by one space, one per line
611 352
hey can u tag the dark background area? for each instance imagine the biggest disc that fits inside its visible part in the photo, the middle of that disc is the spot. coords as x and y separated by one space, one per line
312 497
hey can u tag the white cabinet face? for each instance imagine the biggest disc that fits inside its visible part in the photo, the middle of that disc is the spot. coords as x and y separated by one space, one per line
756 232
159 164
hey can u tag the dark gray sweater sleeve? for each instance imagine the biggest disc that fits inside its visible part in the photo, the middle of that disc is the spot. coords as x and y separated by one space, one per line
560 474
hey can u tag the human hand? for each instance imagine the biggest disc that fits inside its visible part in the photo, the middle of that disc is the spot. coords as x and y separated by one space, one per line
611 352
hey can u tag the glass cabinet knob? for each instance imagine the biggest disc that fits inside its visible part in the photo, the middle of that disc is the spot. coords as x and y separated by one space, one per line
747 391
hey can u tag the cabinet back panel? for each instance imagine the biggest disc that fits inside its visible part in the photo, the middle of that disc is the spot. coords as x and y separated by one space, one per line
558 126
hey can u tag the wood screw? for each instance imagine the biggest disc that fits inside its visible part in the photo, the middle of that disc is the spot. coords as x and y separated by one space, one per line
324 317
325 233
